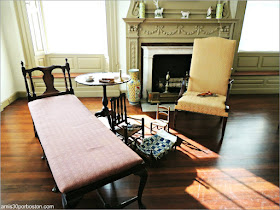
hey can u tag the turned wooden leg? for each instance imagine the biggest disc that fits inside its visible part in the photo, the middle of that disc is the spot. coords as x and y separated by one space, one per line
143 179
224 127
70 203
125 136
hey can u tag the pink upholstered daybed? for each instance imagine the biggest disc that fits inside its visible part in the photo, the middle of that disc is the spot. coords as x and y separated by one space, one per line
82 153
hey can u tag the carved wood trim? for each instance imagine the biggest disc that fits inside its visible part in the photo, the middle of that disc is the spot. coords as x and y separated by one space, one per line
48 79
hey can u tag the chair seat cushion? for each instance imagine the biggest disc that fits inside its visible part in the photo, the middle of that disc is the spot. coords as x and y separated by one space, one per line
206 105
155 145
79 148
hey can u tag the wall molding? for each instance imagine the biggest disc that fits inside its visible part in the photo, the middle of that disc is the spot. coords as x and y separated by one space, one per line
255 84
257 61
12 98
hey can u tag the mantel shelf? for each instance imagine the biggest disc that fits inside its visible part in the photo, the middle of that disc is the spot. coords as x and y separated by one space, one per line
177 20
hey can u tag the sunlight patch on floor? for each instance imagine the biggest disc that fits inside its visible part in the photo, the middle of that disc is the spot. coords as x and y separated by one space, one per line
233 189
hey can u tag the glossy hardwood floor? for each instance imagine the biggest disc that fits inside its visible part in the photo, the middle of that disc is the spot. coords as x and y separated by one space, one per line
242 172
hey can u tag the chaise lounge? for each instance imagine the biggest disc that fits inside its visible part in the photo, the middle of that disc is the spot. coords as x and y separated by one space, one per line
82 153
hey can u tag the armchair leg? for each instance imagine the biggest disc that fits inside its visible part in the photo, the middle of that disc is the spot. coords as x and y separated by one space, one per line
175 117
224 127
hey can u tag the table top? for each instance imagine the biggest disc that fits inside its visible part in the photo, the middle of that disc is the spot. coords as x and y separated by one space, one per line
81 79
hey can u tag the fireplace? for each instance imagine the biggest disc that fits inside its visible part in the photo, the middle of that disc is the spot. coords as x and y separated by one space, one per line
157 61
176 66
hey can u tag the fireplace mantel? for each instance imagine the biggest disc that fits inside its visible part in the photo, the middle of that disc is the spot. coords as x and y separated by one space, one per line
172 29
152 30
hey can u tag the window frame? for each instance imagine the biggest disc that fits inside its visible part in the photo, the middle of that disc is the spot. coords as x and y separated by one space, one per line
35 57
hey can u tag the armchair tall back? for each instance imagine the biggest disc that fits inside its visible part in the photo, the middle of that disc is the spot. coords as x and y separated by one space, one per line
211 64
48 79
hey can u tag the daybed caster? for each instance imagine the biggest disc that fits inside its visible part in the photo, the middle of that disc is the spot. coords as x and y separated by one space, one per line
82 153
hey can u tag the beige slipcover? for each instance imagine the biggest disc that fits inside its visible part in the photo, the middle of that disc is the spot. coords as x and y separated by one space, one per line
210 71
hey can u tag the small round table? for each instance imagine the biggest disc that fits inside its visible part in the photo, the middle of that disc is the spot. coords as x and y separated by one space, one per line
81 79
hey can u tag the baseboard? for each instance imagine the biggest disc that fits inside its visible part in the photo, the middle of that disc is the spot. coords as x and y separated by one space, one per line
22 94
110 93
11 99
255 91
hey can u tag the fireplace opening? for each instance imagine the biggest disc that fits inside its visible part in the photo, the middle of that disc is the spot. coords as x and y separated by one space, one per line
176 65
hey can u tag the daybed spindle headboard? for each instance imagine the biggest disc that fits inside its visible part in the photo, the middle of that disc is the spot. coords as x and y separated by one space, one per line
48 79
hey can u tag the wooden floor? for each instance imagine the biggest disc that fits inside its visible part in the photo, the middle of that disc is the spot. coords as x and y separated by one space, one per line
242 172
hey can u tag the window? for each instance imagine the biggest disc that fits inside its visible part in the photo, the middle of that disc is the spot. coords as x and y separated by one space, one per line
69 27
260 30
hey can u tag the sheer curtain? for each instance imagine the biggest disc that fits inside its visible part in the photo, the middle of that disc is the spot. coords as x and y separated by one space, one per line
260 30
77 27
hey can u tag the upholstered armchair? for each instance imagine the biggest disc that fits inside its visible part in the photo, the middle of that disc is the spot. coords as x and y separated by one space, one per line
210 71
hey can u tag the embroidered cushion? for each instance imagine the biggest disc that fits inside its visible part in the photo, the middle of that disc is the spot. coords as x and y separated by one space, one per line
156 146
207 105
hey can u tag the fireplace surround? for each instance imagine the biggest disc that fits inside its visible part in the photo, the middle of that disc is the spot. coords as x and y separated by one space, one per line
170 30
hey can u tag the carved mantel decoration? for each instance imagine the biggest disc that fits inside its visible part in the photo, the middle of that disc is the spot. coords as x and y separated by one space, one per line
172 29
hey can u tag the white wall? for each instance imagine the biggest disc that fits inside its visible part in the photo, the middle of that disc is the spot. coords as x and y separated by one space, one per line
7 82
11 76
122 9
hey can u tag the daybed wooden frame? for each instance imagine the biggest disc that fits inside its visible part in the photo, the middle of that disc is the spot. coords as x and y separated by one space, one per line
71 198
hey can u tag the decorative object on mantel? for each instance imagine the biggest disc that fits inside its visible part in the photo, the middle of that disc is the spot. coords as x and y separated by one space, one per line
185 15
219 10
159 10
209 13
133 87
141 9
